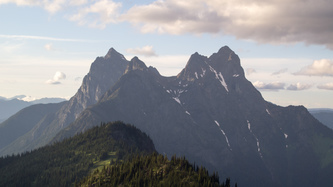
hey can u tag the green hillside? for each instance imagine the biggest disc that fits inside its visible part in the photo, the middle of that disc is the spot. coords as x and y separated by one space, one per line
61 164
153 170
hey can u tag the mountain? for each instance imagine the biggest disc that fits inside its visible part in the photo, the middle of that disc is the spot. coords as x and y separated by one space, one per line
104 72
47 100
9 107
24 121
63 163
214 116
325 116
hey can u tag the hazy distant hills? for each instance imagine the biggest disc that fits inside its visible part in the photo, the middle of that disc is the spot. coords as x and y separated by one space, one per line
9 107
324 115
209 113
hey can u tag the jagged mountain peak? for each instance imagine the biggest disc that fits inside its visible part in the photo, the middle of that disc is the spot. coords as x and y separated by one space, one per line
225 54
135 64
112 53
195 64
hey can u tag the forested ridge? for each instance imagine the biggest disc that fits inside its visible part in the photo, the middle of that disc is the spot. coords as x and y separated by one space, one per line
111 154
153 170
61 164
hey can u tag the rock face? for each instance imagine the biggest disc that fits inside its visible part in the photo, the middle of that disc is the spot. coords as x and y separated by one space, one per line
103 74
213 115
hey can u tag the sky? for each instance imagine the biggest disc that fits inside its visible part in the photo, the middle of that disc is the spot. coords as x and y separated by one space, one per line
285 46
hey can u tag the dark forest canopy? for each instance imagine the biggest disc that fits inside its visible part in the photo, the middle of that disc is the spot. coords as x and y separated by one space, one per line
105 148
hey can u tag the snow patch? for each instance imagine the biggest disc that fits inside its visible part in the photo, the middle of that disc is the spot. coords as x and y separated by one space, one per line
223 82
177 100
219 77
226 138
187 112
236 75
203 72
285 135
268 112
196 75
255 137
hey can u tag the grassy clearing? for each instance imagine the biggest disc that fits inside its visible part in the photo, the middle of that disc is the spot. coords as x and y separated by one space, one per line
99 164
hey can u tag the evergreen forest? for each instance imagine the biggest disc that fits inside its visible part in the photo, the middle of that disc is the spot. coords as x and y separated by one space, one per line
112 154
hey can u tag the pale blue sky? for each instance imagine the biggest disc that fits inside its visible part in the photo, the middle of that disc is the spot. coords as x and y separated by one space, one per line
285 47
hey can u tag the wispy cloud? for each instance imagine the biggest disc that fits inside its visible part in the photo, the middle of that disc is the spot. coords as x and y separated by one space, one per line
323 67
56 78
49 47
98 14
9 47
51 6
299 86
273 86
250 71
284 70
327 86
44 38
145 51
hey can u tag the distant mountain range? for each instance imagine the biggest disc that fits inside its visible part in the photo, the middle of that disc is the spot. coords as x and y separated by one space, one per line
10 106
209 113
324 115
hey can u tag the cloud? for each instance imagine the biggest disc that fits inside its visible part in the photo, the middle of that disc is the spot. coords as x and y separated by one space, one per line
49 47
145 51
299 86
52 6
327 86
280 71
43 38
98 14
273 21
10 47
274 86
323 67
77 78
250 71
56 78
